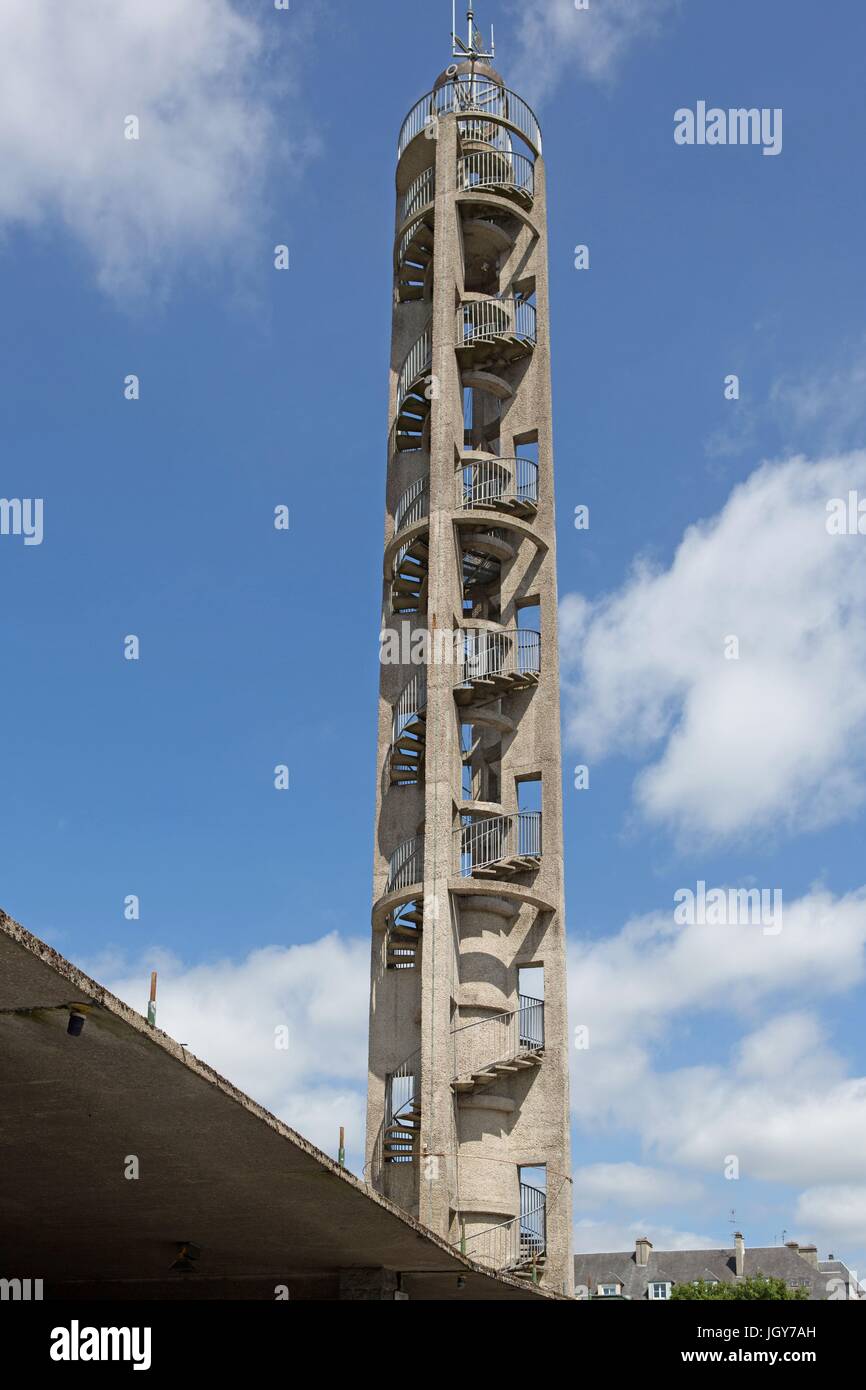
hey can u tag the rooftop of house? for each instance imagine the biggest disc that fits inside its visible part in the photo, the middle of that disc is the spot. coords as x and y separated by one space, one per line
635 1271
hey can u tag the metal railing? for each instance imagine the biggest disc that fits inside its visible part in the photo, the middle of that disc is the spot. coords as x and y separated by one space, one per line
484 482
419 193
406 865
479 1045
514 1243
530 1020
514 652
485 320
410 703
413 506
480 843
418 360
481 104
496 169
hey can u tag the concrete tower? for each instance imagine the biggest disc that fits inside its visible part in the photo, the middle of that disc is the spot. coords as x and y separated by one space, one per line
467 1121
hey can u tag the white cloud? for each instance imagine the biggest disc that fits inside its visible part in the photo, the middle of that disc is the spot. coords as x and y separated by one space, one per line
826 404
598 1237
632 985
631 1185
783 1102
787 1128
554 36
821 408
837 1213
191 185
774 740
227 1013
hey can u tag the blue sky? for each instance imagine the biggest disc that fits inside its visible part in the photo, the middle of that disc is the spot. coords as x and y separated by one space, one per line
258 387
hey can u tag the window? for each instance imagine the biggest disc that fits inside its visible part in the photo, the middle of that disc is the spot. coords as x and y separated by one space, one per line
529 615
481 752
608 1290
660 1290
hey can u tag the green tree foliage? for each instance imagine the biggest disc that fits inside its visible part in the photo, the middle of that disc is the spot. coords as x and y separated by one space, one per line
757 1286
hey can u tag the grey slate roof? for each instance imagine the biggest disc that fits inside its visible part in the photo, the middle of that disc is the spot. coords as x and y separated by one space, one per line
686 1266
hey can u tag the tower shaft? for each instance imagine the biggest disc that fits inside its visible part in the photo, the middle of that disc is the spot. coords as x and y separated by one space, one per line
468 1124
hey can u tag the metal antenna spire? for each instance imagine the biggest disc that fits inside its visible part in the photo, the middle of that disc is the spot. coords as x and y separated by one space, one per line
473 48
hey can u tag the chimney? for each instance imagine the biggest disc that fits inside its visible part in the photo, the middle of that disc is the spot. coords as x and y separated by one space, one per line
739 1253
810 1254
793 1245
642 1249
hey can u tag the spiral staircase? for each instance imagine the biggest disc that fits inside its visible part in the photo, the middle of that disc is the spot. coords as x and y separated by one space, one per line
403 936
498 847
402 1125
517 1246
495 663
498 171
498 1047
484 548
409 733
413 260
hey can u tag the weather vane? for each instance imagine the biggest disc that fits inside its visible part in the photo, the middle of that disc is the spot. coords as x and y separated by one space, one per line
473 48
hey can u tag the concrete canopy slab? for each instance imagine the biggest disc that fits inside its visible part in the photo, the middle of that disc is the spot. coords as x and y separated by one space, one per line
265 1206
